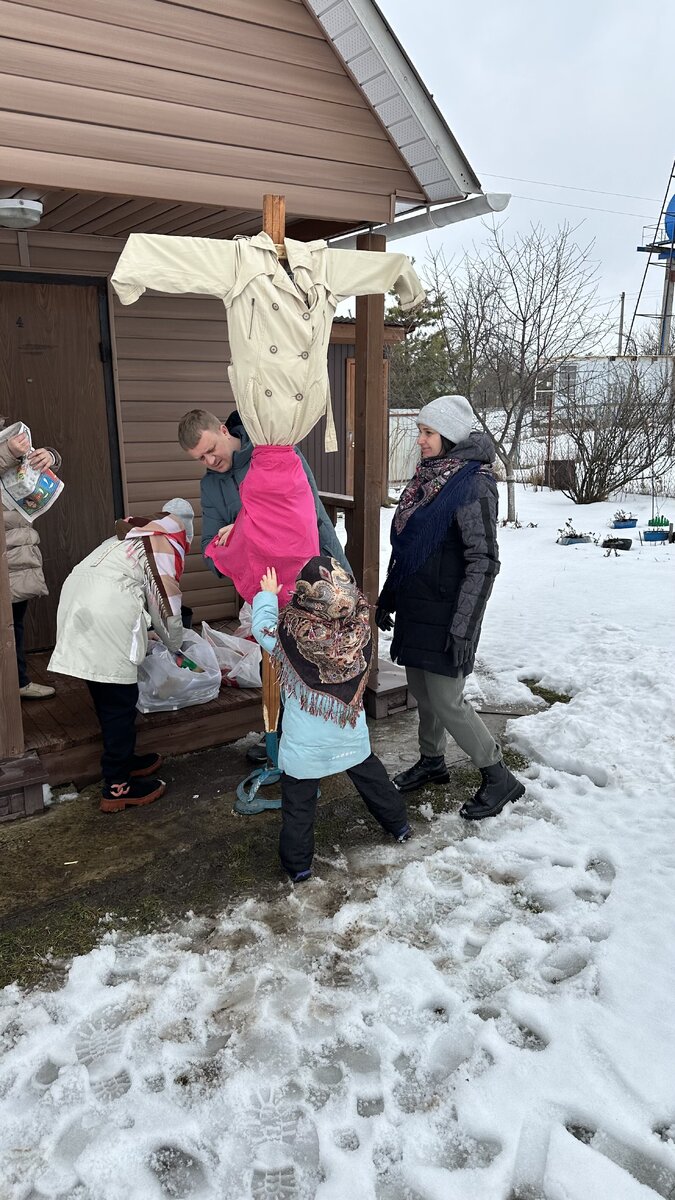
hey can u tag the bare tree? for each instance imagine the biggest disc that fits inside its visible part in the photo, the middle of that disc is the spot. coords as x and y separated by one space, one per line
619 423
508 312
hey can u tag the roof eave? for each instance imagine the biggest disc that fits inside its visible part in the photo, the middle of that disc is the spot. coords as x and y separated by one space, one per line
374 57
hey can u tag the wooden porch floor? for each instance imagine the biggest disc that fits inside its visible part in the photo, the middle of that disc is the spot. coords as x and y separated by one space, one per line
65 733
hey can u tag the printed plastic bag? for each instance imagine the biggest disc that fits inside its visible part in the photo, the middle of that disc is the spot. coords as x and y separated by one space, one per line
239 659
164 686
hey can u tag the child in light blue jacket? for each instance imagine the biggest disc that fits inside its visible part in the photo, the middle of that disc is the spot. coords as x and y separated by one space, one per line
322 646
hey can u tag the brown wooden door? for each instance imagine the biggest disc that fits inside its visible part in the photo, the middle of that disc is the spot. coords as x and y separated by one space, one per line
51 377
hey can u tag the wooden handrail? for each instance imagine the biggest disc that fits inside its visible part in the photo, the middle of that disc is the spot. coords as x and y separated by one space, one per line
335 500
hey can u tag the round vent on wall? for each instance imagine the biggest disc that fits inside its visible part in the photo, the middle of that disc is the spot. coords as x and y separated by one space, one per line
20 214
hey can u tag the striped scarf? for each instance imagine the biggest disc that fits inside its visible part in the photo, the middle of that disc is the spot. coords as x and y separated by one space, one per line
159 545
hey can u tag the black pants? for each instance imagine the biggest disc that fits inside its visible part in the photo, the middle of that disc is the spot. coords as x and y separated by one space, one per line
115 705
18 616
298 810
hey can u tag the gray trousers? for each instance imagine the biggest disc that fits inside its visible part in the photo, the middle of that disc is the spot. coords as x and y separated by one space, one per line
443 707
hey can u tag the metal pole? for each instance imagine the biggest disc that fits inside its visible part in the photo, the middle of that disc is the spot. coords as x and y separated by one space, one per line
623 301
667 307
549 442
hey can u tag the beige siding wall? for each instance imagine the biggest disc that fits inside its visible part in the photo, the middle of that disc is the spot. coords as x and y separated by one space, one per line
186 102
170 354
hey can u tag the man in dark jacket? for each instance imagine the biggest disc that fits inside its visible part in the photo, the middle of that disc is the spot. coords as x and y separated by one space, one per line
225 450
443 565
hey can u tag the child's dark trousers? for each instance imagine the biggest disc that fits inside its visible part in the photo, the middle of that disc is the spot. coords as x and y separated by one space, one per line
298 810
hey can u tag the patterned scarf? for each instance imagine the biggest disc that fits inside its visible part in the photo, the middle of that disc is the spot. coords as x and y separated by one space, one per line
324 642
160 544
426 525
430 476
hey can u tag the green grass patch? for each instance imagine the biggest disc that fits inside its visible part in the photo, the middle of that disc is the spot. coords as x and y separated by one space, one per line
546 694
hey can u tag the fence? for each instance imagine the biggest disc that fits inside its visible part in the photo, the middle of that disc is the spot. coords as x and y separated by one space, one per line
403 450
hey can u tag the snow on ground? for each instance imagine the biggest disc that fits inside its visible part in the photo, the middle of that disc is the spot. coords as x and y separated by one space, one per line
482 1014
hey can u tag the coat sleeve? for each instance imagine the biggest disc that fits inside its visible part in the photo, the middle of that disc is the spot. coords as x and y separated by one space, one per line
172 633
265 610
7 459
477 524
216 512
175 265
329 542
370 272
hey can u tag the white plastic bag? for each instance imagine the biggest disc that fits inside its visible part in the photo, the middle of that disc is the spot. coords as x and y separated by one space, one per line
245 627
163 686
238 658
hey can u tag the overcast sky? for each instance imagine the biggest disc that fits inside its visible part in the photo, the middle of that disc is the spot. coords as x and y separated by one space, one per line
580 93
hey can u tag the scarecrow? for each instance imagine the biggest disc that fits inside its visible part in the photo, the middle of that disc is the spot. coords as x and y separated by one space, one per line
280 297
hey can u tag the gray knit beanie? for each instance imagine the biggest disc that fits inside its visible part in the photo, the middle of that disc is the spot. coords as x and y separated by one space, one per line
451 416
184 511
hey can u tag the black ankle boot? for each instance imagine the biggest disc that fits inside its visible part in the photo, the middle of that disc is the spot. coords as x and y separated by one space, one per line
426 770
499 786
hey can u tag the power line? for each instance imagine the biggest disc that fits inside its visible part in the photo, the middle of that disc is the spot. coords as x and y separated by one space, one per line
586 207
568 187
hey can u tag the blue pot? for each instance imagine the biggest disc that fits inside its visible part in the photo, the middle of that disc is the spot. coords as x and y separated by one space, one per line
625 524
655 535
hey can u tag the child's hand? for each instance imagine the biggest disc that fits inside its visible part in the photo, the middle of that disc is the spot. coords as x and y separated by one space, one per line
268 583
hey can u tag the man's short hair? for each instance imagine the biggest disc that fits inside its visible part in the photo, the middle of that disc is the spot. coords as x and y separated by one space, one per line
194 424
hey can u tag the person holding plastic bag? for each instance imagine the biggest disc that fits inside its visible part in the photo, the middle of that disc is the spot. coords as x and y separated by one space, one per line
108 604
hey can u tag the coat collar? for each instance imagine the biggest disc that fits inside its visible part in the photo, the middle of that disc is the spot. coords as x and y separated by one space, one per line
299 257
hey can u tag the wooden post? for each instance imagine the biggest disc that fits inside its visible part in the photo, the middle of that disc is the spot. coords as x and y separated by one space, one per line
370 416
274 218
274 223
11 722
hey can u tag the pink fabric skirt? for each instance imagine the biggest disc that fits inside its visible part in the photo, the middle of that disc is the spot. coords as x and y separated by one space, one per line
276 527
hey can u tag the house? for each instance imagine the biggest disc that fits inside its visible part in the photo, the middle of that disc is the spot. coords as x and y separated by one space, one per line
153 116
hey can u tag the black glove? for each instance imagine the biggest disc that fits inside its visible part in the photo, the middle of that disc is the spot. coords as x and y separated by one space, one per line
461 650
383 620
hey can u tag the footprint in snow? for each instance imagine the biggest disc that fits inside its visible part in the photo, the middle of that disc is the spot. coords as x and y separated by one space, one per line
648 1171
178 1173
666 1131
98 1047
516 1033
562 964
475 940
346 1139
60 1172
284 1146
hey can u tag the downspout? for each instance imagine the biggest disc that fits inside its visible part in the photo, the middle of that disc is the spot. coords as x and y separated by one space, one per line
462 210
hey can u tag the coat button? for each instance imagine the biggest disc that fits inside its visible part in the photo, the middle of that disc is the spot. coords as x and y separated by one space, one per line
305 316
298 395
304 354
273 349
275 306
268 392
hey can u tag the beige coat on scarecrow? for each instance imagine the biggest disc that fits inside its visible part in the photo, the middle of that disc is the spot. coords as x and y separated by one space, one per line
279 325
26 576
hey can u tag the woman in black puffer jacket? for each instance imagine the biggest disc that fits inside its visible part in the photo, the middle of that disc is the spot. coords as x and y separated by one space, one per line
443 564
